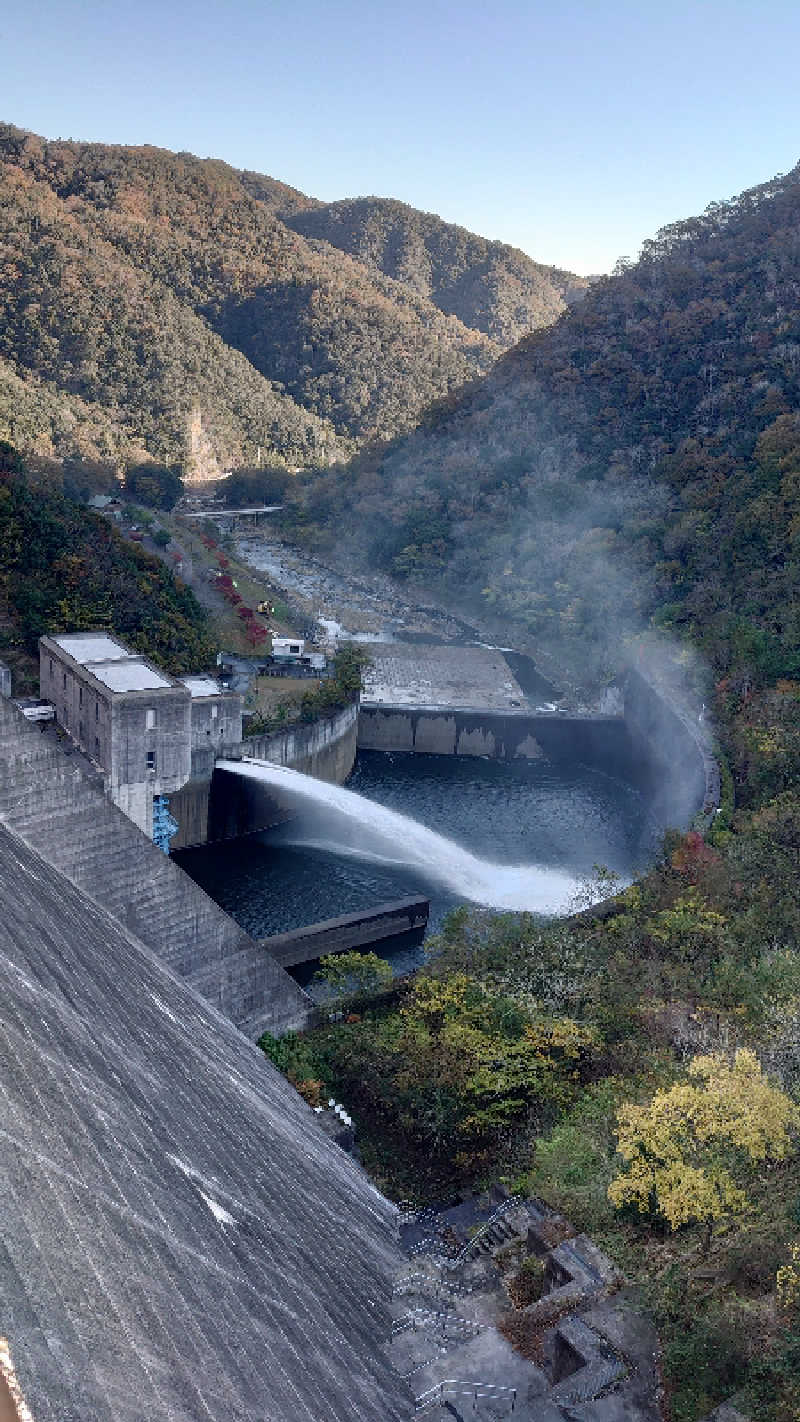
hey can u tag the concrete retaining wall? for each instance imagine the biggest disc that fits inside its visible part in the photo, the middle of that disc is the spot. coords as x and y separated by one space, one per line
325 749
499 735
217 805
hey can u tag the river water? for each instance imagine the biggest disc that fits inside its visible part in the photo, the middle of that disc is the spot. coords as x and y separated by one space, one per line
559 818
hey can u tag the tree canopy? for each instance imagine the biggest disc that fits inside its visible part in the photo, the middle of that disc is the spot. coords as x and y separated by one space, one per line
154 484
685 1152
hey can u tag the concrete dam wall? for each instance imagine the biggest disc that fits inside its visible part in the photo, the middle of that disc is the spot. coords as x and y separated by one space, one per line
51 805
178 1239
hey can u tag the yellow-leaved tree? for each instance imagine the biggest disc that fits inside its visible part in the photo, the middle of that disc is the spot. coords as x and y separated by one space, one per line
787 1287
687 1153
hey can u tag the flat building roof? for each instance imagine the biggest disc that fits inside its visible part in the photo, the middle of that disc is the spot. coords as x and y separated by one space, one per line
112 663
128 675
87 647
202 685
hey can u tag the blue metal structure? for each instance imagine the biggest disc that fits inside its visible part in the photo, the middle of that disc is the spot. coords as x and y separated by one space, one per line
164 826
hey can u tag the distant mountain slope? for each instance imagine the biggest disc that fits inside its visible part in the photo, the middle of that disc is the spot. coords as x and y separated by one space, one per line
279 198
489 286
93 330
641 457
156 285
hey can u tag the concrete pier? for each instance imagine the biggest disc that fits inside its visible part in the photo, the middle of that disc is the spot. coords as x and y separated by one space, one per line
351 930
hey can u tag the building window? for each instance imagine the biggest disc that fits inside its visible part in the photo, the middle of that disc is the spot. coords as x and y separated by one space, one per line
150 719
151 762
97 742
97 710
64 680
80 695
51 668
214 710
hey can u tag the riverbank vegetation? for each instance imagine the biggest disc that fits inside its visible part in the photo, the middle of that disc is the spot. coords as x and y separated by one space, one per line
525 1049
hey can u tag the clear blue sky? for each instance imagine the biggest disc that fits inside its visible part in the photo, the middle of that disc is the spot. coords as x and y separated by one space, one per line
572 130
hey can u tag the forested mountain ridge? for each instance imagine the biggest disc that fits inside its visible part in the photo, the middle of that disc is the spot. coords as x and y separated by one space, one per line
639 458
162 288
490 286
88 326
278 197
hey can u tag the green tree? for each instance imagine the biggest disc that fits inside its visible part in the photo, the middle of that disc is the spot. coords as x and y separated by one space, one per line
155 484
249 486
352 976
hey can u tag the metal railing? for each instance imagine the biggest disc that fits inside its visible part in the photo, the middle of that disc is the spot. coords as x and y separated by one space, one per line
457 1387
450 1325
410 1214
510 1204
416 1282
432 1243
431 1286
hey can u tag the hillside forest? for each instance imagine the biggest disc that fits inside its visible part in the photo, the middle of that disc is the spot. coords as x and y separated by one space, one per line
153 303
64 568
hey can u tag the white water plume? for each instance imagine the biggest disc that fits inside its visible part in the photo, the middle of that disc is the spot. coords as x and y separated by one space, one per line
345 822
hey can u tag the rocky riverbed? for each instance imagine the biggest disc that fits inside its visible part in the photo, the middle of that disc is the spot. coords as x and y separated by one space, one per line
351 605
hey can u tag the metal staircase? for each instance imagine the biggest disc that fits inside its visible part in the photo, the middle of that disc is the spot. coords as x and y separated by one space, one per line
164 825
492 1232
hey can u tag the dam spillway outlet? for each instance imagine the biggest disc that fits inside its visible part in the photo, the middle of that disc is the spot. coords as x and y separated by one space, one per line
347 823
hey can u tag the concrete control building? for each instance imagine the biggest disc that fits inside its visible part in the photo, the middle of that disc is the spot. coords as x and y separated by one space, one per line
148 732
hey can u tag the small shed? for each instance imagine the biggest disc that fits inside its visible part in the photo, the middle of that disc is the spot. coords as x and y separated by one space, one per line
288 648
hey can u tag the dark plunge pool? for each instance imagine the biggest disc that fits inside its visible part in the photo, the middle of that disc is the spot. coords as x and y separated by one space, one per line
563 817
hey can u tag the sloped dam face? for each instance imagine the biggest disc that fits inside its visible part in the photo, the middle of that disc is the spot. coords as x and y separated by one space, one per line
514 835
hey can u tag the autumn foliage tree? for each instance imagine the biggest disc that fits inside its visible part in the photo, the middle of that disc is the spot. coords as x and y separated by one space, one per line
687 1153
